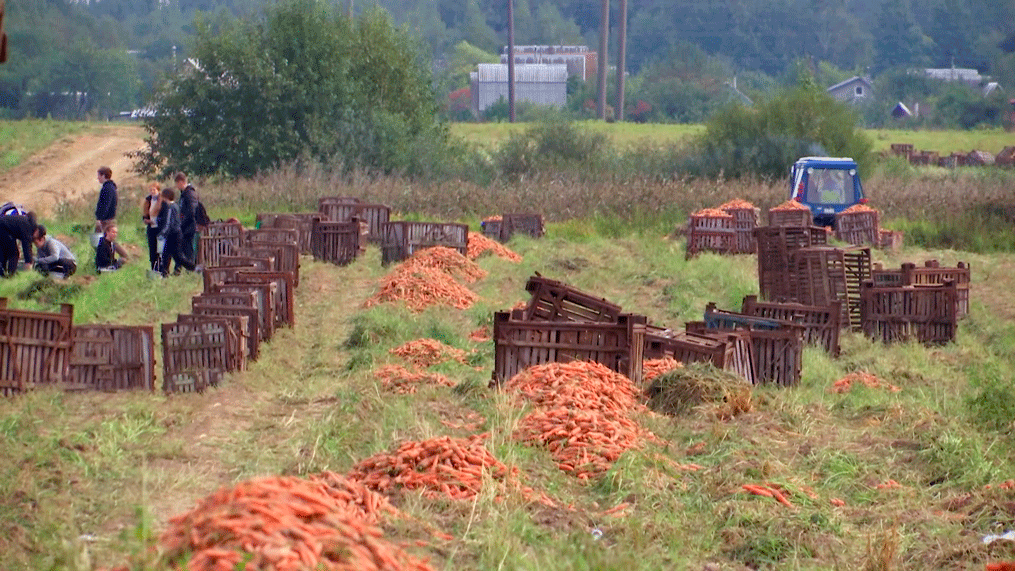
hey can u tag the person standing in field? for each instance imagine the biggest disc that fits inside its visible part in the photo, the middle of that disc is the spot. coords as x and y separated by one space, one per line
14 229
168 220
52 256
105 209
149 214
188 224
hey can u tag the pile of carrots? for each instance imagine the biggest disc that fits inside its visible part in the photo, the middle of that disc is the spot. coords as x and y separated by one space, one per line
584 443
478 244
846 383
426 352
480 335
447 260
859 208
578 385
582 415
287 524
422 287
791 205
736 204
711 213
400 380
652 368
441 467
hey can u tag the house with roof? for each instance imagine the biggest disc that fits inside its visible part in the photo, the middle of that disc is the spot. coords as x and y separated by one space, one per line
853 90
542 84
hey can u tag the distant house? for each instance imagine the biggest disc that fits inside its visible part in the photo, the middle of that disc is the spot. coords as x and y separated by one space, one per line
580 62
966 75
853 90
543 84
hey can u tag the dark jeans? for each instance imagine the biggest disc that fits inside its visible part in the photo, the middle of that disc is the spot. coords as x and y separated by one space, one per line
65 267
187 246
9 256
153 246
172 252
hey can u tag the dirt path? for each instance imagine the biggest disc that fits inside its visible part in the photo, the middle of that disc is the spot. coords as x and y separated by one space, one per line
65 171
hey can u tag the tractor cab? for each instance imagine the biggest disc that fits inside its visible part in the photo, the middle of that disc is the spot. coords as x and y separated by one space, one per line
826 185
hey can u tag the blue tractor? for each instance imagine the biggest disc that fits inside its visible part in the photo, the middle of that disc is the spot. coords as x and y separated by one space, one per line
826 185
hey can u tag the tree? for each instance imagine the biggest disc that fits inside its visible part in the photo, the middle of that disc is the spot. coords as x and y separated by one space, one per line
303 82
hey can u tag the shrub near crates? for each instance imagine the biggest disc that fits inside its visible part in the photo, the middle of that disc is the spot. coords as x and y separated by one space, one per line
710 230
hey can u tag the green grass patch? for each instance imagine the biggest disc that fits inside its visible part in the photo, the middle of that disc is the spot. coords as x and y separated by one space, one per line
22 138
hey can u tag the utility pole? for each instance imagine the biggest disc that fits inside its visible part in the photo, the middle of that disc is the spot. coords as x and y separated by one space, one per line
511 61
604 32
621 61
350 10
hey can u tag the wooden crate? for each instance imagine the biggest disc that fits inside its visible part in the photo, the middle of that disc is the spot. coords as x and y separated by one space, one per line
302 222
491 228
266 299
260 263
530 224
933 274
337 209
776 354
821 323
819 277
236 333
284 290
924 313
775 245
35 347
252 334
195 355
335 242
286 256
216 240
520 344
859 228
859 268
556 301
402 239
890 240
112 357
745 220
248 299
707 233
285 240
726 351
791 217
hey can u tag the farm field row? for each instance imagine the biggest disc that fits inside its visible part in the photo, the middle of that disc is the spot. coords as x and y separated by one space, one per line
99 475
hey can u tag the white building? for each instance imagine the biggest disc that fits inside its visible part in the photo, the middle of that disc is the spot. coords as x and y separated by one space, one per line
542 84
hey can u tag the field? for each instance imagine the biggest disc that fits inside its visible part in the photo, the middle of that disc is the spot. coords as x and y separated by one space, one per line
878 480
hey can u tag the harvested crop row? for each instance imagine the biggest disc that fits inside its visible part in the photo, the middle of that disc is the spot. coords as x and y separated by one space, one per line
426 352
400 380
583 442
440 467
868 380
736 204
479 244
577 384
286 523
421 287
790 205
652 368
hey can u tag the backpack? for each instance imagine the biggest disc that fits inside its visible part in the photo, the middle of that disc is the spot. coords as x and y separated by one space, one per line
201 215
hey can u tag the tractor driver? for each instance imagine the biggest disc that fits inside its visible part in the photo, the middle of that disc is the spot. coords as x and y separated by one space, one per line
830 187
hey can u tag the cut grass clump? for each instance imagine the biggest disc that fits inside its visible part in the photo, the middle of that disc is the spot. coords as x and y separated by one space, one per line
49 292
700 385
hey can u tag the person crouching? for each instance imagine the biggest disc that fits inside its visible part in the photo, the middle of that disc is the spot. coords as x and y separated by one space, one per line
52 256
106 252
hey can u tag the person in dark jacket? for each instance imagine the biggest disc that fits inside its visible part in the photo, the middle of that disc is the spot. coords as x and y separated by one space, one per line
14 229
52 256
149 213
168 220
188 224
107 251
105 209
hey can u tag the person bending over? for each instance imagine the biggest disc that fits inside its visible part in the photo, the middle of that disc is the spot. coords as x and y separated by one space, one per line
14 229
109 255
52 256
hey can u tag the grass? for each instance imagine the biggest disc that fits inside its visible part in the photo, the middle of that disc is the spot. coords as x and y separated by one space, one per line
944 142
21 139
91 478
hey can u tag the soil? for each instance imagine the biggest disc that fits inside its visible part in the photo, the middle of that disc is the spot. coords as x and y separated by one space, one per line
65 171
